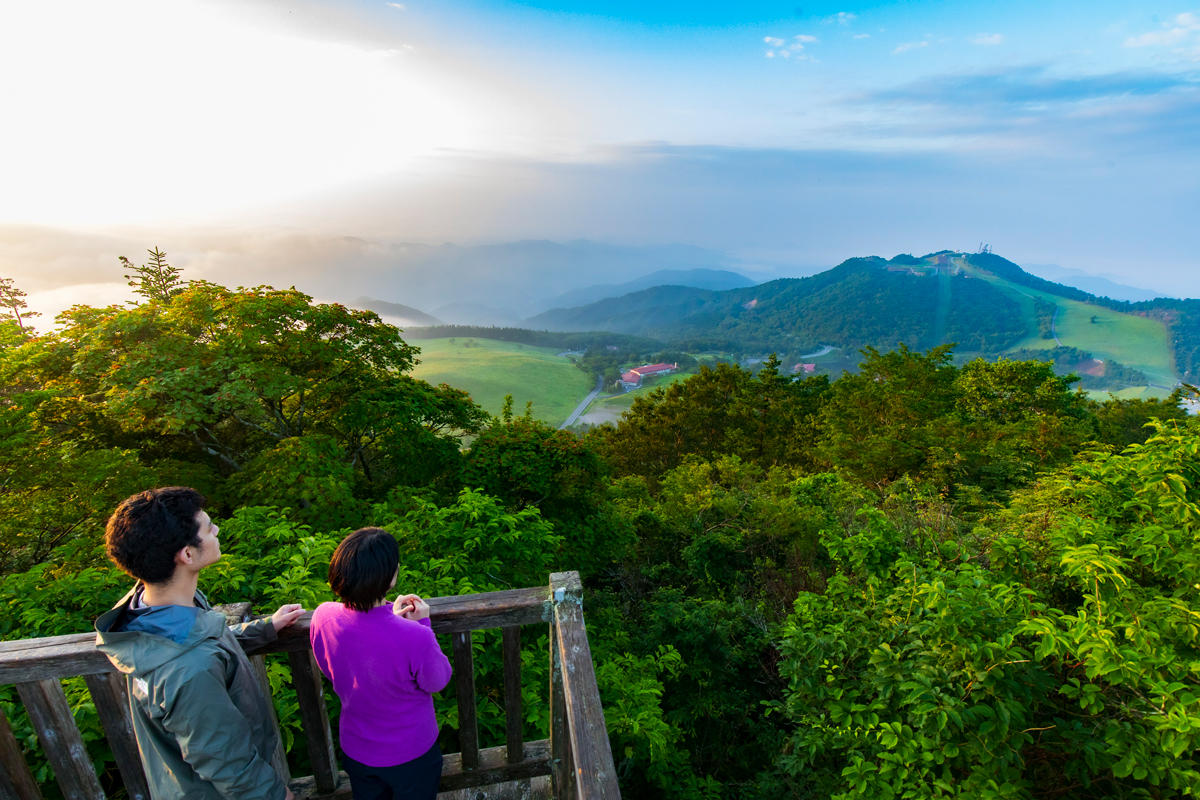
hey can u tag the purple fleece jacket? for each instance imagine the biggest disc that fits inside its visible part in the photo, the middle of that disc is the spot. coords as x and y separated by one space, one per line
385 669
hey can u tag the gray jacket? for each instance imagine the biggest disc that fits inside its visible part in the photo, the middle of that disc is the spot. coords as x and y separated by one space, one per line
202 723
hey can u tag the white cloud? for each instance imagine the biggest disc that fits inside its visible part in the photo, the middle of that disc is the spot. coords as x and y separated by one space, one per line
988 39
842 18
1185 25
785 50
397 5
862 36
904 48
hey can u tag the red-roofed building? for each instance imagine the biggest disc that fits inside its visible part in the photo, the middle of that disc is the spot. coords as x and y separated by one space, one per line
633 378
805 367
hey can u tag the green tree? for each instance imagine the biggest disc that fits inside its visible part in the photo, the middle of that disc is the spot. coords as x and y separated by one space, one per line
226 379
14 309
875 424
767 419
529 464
157 281
1049 655
1011 420
1123 422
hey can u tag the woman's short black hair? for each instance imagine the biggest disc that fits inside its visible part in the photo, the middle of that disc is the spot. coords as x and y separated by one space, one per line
363 566
147 530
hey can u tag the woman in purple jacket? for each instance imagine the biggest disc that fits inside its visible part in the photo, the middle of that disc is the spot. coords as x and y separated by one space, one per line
385 665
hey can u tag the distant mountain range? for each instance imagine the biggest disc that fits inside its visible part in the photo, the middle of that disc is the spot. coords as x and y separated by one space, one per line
468 313
396 314
717 279
1098 285
513 280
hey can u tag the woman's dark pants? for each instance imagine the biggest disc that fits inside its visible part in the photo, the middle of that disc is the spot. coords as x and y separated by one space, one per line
413 780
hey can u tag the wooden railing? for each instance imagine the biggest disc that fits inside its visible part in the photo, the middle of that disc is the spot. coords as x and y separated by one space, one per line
577 754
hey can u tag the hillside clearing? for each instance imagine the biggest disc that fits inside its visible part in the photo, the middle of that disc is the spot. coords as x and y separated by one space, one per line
489 369
1138 342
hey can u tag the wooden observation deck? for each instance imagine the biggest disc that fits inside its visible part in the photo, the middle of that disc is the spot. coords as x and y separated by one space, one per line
576 758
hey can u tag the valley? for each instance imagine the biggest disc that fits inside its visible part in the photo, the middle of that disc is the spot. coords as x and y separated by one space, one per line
988 305
488 370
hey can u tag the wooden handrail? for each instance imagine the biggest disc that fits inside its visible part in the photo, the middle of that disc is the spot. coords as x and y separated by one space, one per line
75 653
37 665
587 771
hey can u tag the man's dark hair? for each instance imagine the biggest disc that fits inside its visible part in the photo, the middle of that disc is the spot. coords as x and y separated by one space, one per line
147 530
362 567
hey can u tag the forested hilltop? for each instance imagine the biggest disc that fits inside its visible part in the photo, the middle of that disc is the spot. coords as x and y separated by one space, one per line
983 303
918 580
855 304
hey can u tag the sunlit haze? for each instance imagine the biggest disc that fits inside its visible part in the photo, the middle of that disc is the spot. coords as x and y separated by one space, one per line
250 139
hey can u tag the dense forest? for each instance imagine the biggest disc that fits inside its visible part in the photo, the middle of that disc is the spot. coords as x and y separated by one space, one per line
566 340
919 580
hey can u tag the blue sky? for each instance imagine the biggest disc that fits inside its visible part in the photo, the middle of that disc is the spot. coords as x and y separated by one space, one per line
791 135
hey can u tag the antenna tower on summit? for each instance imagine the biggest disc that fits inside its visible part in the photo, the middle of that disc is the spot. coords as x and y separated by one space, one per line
984 248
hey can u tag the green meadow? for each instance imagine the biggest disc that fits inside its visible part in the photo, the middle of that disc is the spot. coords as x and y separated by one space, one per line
488 370
1138 342
1130 393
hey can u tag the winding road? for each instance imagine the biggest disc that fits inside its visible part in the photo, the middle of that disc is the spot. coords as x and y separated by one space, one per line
587 401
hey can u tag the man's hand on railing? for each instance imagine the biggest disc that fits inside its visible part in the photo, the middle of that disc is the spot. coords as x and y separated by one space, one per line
411 607
286 615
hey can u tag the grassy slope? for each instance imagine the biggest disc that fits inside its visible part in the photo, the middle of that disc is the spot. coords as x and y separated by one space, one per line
494 369
1138 342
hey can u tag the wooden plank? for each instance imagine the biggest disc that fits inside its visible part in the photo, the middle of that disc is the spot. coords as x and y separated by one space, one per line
111 697
279 757
51 717
464 683
46 657
306 677
16 779
514 722
592 767
477 612
558 710
493 768
539 788
58 661
45 641
467 612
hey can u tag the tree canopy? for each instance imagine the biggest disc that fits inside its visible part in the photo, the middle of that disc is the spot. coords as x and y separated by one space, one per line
918 580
